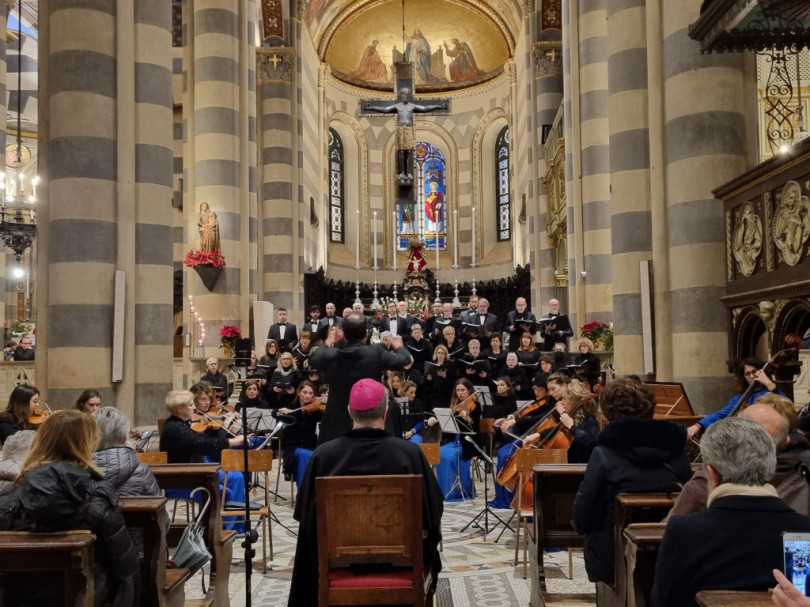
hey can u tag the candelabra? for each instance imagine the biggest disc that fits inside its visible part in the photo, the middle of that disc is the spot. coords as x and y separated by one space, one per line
375 303
473 285
357 286
438 299
456 300
395 284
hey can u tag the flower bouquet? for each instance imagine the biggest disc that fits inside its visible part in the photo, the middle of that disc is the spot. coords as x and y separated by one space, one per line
214 259
227 338
600 333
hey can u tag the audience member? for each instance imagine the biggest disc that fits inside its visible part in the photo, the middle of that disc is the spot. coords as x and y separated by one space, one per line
634 454
737 541
14 451
25 351
366 449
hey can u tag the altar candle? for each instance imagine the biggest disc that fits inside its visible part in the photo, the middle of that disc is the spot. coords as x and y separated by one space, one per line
455 237
374 230
357 242
394 215
473 236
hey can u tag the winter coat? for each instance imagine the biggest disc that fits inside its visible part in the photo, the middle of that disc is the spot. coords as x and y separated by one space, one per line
632 455
124 471
8 472
61 496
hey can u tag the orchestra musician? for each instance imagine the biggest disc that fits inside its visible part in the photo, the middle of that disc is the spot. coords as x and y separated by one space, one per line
23 403
301 438
457 453
89 401
413 423
185 446
517 424
503 401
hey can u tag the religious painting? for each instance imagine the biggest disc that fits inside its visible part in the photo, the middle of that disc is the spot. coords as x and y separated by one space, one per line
371 68
450 45
425 217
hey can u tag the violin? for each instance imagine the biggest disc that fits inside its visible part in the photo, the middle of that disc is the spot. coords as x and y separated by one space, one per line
39 415
467 405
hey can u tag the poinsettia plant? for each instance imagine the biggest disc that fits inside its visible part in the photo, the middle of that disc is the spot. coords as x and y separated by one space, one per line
598 333
228 335
204 258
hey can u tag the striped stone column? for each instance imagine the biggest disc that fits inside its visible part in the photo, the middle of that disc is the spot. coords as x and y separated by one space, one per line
105 141
6 282
704 144
219 119
588 158
630 218
281 229
548 95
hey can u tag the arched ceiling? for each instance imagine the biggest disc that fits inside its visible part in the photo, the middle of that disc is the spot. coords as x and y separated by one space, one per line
461 43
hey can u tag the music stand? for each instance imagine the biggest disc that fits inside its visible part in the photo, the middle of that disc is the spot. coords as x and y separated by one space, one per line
486 395
489 468
450 424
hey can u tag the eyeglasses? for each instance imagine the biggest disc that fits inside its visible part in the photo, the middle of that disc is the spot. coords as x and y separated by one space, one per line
751 373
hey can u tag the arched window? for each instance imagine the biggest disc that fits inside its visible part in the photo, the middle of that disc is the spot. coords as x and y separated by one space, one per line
336 208
503 197
422 219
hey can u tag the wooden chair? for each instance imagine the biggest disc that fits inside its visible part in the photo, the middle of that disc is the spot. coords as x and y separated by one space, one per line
737 598
65 558
154 457
260 462
525 461
375 521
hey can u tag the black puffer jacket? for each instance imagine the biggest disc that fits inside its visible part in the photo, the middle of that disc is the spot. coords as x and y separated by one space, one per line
632 455
125 472
62 496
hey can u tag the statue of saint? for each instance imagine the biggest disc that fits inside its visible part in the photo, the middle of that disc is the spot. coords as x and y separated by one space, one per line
208 226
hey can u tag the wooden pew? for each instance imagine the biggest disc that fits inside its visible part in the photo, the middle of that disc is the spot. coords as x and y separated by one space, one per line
733 598
160 587
68 554
555 486
218 541
641 553
629 508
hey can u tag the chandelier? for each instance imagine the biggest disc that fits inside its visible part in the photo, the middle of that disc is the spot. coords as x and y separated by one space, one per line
18 197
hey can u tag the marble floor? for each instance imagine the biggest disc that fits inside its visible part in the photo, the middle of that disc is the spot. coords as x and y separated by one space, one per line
477 572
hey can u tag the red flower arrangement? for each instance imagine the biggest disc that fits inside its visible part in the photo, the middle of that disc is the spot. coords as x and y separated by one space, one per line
594 329
228 335
204 258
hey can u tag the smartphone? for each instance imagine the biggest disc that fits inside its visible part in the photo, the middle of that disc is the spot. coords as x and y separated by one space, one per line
796 550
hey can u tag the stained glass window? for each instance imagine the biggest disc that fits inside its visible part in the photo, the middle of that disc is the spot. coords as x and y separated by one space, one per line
336 208
427 214
503 197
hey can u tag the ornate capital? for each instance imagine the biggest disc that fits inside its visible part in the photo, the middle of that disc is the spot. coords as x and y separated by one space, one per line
547 59
275 64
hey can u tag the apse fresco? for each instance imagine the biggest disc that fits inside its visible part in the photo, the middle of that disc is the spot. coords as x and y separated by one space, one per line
451 45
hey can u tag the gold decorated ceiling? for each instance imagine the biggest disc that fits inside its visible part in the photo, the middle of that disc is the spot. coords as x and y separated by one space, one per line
479 35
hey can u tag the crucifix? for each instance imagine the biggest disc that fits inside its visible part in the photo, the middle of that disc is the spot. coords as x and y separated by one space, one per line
405 106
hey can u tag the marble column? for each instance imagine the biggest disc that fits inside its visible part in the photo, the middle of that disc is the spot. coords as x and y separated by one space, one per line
281 229
105 149
587 161
630 219
704 146
219 109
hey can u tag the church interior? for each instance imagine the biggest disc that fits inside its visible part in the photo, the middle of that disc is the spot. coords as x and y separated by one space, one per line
178 167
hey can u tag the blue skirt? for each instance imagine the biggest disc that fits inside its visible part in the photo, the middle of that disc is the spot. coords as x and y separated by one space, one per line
447 472
503 497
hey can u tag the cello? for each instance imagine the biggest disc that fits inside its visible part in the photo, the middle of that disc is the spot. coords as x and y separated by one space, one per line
553 435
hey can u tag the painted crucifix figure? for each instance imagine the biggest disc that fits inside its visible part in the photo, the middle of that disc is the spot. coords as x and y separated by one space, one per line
405 106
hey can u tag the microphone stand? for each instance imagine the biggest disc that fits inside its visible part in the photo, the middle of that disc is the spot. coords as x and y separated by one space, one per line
279 427
489 468
251 535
